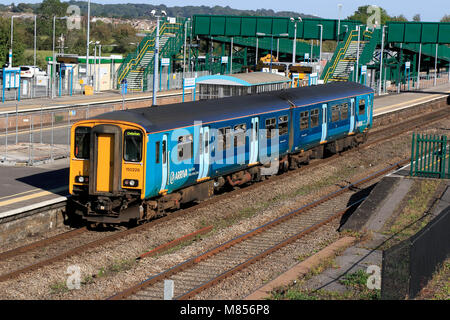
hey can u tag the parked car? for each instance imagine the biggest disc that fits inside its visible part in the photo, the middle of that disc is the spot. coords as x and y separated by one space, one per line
31 71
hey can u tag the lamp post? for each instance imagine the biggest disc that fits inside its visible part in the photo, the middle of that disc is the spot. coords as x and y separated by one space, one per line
96 65
156 55
381 59
358 28
320 47
271 42
184 47
294 44
88 74
54 55
339 22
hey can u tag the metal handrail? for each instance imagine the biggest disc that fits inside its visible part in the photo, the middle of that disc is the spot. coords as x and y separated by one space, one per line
143 50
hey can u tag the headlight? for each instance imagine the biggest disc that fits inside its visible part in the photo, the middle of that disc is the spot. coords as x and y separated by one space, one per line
81 179
130 183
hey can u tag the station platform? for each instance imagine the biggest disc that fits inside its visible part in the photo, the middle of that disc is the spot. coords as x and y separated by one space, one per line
394 102
26 186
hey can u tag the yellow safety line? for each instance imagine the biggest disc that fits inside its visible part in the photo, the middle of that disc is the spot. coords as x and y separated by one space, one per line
13 195
32 196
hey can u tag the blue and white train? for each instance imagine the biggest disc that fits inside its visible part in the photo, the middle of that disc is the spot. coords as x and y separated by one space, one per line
136 164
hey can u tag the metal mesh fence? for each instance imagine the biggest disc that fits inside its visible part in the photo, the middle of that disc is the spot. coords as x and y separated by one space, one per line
40 87
410 264
43 135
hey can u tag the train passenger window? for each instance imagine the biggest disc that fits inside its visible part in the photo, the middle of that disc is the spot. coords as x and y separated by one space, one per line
185 147
283 125
314 118
362 107
335 113
132 145
344 111
239 135
270 126
304 119
157 151
224 138
82 142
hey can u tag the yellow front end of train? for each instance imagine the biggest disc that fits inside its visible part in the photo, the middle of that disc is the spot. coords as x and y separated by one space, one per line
107 169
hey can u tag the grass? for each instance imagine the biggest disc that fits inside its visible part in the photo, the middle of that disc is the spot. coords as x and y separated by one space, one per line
115 267
438 288
355 283
413 212
59 287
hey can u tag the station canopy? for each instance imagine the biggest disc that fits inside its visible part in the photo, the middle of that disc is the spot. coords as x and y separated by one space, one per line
221 86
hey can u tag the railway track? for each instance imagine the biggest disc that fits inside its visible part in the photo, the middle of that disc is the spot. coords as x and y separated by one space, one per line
205 270
374 138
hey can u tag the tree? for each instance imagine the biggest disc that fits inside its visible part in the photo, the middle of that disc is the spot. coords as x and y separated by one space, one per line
416 17
446 18
46 11
363 14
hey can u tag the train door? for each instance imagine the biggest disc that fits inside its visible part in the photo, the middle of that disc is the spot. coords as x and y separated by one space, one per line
352 115
254 145
105 162
361 112
165 164
323 138
204 156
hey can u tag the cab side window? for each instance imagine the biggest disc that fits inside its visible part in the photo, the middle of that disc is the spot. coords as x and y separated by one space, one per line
361 107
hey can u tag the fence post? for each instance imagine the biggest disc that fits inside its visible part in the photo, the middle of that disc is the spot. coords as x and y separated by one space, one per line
41 125
30 146
51 142
443 155
6 136
68 131
17 124
412 156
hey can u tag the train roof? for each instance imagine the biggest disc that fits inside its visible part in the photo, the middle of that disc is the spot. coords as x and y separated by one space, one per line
179 115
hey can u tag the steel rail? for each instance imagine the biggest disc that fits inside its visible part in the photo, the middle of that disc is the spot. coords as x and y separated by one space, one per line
222 247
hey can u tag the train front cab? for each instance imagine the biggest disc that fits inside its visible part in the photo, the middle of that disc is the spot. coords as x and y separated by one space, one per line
107 170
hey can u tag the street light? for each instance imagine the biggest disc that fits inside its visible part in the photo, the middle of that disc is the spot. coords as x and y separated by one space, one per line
54 55
320 47
339 23
97 43
156 55
294 49
184 48
381 60
88 42
358 28
261 34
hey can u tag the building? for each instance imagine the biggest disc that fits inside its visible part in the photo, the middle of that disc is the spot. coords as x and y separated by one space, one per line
221 86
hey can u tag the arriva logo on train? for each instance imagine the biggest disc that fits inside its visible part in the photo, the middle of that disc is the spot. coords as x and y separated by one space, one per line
178 175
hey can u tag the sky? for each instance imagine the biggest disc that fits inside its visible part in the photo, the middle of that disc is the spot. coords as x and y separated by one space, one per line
429 10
